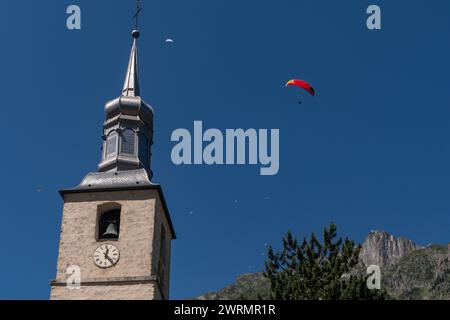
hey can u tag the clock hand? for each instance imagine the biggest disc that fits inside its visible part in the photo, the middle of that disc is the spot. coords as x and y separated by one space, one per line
110 260
107 257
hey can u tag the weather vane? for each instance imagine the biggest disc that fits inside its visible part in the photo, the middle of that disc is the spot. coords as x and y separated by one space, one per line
138 11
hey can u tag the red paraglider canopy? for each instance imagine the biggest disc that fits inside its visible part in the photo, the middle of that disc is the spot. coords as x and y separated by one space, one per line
301 84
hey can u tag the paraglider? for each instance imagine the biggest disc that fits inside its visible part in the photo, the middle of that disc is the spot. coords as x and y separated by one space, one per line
303 85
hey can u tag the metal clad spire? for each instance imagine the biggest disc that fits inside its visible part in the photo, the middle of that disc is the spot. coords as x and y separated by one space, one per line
131 85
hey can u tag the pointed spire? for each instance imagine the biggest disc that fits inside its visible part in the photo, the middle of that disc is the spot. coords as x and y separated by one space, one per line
131 85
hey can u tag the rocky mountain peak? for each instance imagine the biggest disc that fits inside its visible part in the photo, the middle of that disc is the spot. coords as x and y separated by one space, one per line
383 249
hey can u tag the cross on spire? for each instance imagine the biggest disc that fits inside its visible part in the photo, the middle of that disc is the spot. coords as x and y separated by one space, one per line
138 11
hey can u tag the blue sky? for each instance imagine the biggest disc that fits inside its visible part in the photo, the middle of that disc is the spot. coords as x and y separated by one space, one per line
370 151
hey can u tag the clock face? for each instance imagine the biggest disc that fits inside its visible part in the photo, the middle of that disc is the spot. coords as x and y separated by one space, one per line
106 256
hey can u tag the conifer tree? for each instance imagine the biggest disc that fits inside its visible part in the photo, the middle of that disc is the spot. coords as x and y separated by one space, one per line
314 270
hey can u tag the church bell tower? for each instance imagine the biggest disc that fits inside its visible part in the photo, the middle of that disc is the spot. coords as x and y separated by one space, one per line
116 231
